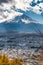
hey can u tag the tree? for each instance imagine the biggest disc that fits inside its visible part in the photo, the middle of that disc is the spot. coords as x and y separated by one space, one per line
4 60
17 61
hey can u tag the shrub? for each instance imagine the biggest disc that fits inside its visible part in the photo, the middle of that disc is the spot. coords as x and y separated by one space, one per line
4 60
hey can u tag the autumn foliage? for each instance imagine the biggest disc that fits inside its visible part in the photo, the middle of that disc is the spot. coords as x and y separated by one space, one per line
41 54
4 60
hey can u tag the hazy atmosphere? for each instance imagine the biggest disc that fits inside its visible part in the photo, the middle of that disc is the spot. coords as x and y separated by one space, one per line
21 32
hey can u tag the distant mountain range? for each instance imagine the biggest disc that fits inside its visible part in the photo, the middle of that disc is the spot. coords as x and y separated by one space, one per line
18 23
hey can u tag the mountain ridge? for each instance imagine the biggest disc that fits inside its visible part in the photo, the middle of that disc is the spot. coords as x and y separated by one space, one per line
21 26
22 23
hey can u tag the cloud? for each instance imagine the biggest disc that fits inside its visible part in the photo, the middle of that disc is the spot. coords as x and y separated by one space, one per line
36 9
26 21
8 7
41 5
7 13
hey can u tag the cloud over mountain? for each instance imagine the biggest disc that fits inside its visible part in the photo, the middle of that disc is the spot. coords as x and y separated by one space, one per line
8 8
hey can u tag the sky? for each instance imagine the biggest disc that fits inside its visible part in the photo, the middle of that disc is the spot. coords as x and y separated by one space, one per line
32 8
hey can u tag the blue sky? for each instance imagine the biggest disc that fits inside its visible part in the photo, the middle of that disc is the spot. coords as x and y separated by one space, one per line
32 8
37 17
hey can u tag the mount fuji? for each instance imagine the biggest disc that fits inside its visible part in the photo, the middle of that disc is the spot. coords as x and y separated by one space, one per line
18 24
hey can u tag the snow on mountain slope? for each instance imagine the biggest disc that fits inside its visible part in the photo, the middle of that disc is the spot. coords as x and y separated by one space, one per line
8 8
